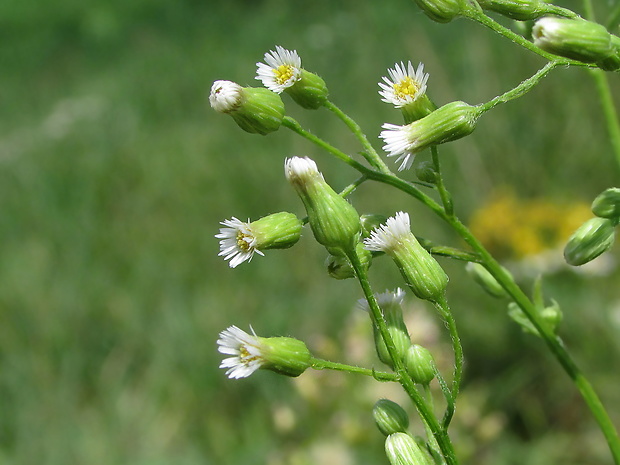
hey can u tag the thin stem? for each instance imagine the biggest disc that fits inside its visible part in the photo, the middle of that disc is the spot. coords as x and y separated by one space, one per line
609 110
432 442
447 417
440 435
522 88
320 364
444 310
351 187
446 198
369 151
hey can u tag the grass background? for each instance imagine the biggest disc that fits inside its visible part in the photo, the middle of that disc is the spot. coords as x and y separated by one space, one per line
114 174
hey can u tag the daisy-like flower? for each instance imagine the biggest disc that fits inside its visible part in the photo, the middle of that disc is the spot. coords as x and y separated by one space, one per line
238 242
246 350
421 271
281 71
225 96
249 352
404 86
450 122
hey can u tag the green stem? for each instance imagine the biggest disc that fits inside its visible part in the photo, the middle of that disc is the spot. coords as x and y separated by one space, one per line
440 435
444 310
609 110
522 88
446 198
480 17
432 442
369 151
447 417
320 364
351 187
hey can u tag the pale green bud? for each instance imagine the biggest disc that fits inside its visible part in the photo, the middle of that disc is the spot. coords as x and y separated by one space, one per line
442 11
334 221
425 171
486 280
255 110
249 352
402 449
574 38
401 340
449 122
590 240
420 270
418 109
390 417
338 266
309 92
607 204
420 364
552 315
521 10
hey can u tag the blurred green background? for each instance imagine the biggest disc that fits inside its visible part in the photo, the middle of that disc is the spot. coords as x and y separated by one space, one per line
114 174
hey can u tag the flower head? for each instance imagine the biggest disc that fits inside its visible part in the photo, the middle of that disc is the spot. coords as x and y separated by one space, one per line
389 235
282 69
404 85
225 96
249 352
246 351
238 243
241 240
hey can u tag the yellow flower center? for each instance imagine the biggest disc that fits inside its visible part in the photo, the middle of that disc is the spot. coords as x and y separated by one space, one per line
407 87
242 244
283 73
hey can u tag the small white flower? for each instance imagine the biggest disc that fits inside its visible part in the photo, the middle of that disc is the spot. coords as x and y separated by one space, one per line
385 299
283 69
398 142
225 96
238 243
246 350
404 85
388 236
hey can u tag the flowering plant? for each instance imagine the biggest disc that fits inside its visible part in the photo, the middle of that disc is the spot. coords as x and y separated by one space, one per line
353 242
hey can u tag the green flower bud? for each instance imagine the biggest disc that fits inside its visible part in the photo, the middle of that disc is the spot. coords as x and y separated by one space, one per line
590 240
450 122
552 315
309 92
283 355
607 204
420 270
402 449
370 222
442 11
334 221
339 267
390 417
420 364
401 340
521 10
486 280
255 110
425 171
573 38
239 240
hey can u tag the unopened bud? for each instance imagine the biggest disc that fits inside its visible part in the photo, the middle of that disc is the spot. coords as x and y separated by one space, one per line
574 38
607 204
334 221
402 449
309 92
255 110
420 364
521 10
590 240
390 417
400 338
442 11
425 171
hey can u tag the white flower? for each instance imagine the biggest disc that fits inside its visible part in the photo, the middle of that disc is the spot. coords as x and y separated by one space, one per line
388 236
385 299
246 351
225 96
282 70
404 86
398 140
238 243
